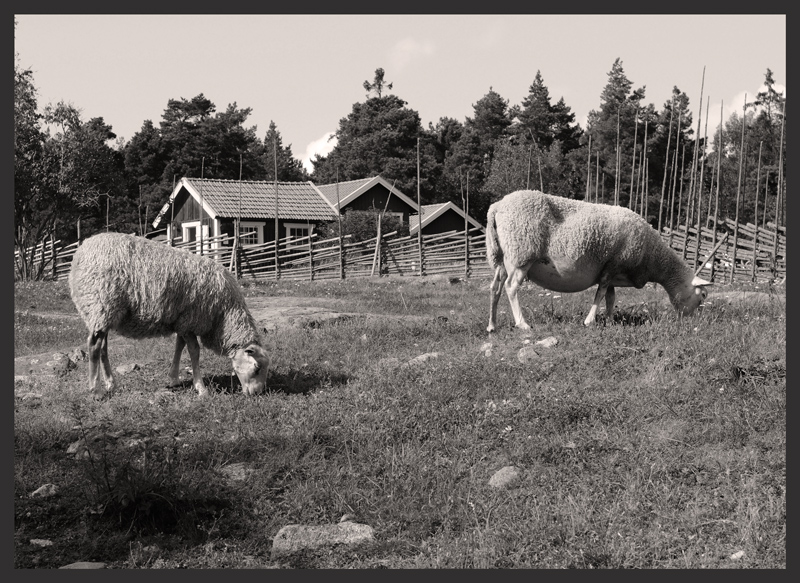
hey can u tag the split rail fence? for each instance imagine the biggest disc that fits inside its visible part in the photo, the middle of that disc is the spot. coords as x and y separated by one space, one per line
753 258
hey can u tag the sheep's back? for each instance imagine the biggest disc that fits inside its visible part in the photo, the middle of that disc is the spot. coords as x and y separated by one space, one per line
141 288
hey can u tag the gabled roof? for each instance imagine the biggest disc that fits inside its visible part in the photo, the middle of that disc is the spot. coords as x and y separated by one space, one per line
430 212
221 198
352 189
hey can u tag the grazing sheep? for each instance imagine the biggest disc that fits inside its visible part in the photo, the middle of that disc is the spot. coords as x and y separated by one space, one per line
567 245
141 289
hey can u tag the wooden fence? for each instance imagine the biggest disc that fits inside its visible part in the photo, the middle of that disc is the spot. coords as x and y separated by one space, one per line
760 255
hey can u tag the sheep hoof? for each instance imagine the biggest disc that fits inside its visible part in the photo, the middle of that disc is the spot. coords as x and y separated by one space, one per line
202 392
99 394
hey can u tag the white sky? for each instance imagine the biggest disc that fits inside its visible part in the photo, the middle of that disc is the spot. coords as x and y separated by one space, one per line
305 72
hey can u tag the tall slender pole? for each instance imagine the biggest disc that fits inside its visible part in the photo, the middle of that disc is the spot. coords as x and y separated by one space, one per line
779 205
617 161
675 166
597 181
530 153
466 230
172 215
680 192
646 176
202 171
237 227
666 165
716 197
419 214
588 170
738 190
277 237
633 161
700 191
690 193
755 218
780 195
339 219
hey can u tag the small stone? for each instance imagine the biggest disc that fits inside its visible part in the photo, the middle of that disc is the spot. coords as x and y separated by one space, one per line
547 342
485 346
84 565
45 491
124 369
504 477
527 354
237 472
737 555
41 542
421 358
389 363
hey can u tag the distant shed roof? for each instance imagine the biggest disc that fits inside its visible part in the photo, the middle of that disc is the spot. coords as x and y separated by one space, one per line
431 211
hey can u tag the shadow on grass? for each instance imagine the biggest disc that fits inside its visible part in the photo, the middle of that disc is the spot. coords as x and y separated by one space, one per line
290 382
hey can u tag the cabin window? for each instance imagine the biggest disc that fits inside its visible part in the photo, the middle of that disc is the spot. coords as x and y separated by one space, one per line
251 233
296 231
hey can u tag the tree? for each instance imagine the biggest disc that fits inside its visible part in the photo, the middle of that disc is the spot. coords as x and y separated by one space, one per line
377 84
87 173
191 139
380 136
612 127
33 211
289 167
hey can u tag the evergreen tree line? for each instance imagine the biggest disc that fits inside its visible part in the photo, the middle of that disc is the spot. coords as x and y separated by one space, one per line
69 171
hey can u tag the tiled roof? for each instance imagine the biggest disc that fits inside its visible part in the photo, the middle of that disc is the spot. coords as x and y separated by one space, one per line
428 211
431 211
296 200
345 189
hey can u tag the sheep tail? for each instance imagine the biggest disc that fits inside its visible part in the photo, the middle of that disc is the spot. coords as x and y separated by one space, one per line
494 254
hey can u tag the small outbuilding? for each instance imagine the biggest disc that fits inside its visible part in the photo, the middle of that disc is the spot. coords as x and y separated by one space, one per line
441 218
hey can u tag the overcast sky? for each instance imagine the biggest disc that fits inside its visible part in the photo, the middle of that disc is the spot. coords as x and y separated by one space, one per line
305 72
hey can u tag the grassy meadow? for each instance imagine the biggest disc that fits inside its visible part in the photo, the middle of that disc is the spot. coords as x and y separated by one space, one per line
647 441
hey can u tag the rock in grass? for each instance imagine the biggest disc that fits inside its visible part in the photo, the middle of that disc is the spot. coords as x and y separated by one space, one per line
45 491
297 537
547 342
84 565
126 368
527 354
504 477
417 360
41 542
237 472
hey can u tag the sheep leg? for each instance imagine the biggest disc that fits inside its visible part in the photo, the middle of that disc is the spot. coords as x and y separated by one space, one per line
500 276
98 358
194 354
598 297
174 369
610 299
515 278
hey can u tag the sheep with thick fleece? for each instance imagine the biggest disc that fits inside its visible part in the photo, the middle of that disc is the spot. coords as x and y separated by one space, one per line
567 245
142 288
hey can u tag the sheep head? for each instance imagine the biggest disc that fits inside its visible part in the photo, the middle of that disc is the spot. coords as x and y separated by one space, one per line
250 363
691 296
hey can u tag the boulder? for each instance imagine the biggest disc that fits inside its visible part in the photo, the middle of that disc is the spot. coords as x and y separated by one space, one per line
297 537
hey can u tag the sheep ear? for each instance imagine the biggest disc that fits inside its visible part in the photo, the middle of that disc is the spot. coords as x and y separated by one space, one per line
698 282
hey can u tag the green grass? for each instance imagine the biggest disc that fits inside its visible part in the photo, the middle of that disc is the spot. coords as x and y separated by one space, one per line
647 441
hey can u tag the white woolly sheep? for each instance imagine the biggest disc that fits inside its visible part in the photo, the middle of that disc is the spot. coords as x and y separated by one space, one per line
567 245
142 288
